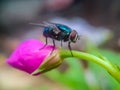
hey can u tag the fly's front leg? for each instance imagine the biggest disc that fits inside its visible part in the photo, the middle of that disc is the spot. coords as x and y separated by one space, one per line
69 46
61 43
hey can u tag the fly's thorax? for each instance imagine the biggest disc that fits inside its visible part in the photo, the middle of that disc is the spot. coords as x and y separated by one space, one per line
63 27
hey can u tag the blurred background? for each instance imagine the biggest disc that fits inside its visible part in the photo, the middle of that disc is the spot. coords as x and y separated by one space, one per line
96 21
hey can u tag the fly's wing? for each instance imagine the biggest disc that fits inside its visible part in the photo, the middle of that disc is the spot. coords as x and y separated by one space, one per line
44 24
40 28
53 25
48 24
38 24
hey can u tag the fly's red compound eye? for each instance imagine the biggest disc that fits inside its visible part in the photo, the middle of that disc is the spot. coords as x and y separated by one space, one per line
73 36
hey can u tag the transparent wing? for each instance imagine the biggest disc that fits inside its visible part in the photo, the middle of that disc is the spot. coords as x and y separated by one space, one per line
53 25
39 24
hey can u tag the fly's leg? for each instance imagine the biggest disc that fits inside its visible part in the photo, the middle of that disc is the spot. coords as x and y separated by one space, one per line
46 41
61 43
70 48
53 46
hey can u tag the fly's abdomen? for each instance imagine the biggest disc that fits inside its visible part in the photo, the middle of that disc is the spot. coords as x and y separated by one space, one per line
47 31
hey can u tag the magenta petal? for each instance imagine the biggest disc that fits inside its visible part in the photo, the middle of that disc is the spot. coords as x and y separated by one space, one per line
29 55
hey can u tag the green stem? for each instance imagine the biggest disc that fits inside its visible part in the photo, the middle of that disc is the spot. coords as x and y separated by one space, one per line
112 69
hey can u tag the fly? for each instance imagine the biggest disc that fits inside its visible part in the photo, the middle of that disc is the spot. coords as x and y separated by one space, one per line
59 32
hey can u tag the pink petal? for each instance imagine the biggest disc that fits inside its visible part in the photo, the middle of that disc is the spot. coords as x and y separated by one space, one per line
29 55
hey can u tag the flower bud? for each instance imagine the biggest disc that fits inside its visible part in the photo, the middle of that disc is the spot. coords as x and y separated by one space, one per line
29 57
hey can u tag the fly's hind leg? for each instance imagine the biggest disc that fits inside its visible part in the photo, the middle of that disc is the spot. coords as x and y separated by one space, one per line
46 41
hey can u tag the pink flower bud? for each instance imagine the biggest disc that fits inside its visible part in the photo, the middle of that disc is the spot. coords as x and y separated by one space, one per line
29 57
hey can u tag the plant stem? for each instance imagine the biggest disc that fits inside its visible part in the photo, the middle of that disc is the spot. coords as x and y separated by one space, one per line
112 69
